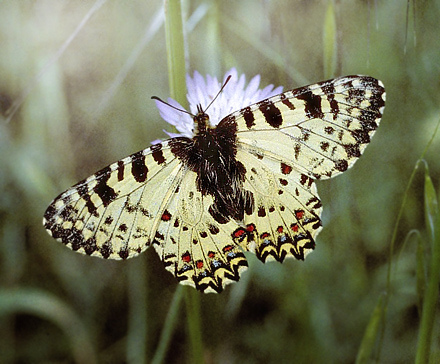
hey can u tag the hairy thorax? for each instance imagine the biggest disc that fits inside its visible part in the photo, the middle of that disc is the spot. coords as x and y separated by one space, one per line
211 154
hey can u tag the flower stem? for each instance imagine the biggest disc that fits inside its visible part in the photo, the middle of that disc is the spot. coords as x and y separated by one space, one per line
192 299
177 71
175 51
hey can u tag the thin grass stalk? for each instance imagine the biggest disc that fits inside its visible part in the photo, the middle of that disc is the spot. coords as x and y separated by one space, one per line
394 235
137 319
329 40
192 298
168 328
48 307
402 206
421 275
371 332
175 51
430 300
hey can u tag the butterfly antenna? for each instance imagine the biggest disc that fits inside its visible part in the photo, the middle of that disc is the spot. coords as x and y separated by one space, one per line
218 93
173 107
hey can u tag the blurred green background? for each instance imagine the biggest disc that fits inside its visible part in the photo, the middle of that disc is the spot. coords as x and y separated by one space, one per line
76 79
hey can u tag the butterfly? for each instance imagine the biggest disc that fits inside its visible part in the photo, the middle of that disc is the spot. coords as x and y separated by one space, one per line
246 184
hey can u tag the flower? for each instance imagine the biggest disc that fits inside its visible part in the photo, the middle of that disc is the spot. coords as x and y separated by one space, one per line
234 96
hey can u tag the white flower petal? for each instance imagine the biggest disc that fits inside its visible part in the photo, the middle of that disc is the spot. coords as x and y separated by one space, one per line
235 96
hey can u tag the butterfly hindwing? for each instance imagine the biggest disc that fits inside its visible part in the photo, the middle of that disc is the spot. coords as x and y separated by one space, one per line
196 248
286 217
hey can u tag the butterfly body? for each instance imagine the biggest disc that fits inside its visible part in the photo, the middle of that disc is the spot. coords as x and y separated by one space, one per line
211 155
246 184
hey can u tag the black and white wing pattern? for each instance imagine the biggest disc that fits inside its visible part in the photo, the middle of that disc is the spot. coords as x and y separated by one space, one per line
148 198
290 140
245 185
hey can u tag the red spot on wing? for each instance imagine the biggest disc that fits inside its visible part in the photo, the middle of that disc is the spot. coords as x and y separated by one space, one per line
250 227
211 254
280 229
227 248
199 264
166 216
186 257
285 168
294 227
239 233
299 214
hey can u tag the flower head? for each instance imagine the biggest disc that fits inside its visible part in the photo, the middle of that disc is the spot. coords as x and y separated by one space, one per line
234 96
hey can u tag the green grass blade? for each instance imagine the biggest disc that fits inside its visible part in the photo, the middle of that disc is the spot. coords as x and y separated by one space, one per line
420 274
192 298
177 70
168 327
329 42
430 301
49 307
175 51
371 332
137 314
431 204
396 227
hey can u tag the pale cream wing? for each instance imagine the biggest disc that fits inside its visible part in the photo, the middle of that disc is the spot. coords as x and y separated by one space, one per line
195 247
322 128
114 213
286 216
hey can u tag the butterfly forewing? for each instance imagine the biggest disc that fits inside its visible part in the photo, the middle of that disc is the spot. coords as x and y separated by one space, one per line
113 213
321 128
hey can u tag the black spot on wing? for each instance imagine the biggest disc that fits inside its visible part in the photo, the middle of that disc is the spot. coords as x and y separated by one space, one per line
138 168
157 153
213 229
106 193
108 220
84 193
352 150
106 250
249 117
90 246
271 113
287 102
123 228
329 130
120 170
123 253
341 165
312 104
329 91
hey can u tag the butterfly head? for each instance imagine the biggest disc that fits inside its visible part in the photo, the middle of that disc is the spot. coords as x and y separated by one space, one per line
201 121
